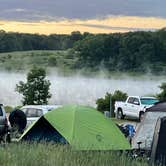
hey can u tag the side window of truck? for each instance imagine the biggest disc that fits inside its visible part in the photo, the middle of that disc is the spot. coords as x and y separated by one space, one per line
136 101
131 100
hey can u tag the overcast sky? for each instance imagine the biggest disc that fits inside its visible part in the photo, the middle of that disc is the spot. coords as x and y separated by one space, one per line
81 9
96 16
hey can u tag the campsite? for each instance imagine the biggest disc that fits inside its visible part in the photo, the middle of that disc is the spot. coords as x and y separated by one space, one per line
83 83
85 135
71 135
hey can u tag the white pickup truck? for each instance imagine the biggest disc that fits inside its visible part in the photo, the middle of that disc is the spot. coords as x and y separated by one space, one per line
134 106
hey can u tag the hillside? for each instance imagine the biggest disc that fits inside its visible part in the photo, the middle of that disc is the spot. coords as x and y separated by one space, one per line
24 60
137 52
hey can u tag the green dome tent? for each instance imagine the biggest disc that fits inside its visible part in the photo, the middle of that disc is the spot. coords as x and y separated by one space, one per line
82 127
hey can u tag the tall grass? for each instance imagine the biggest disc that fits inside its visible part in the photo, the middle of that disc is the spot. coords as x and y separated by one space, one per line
57 155
24 60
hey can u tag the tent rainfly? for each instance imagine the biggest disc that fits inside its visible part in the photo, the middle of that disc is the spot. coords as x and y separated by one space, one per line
84 128
158 152
146 128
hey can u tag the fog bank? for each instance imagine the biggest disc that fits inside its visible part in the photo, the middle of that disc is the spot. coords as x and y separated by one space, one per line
80 89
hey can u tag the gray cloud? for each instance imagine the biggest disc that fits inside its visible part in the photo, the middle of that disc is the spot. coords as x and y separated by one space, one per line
54 9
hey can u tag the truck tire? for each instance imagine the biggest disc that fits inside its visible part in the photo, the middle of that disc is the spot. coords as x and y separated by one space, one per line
120 114
141 115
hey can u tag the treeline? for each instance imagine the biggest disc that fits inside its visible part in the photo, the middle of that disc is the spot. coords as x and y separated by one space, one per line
132 51
23 42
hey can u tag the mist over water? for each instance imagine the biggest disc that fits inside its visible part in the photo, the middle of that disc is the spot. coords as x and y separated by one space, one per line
80 89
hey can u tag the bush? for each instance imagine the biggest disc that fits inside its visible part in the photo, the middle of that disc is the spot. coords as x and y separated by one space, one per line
52 61
162 95
8 109
103 104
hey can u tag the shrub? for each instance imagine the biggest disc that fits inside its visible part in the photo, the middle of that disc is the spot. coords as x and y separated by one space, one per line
103 104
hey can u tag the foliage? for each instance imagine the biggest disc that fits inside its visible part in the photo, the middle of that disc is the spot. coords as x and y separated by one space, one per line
132 51
25 60
103 104
162 95
8 109
26 154
36 90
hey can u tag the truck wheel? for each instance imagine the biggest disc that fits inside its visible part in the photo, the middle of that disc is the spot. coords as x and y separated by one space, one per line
120 114
141 115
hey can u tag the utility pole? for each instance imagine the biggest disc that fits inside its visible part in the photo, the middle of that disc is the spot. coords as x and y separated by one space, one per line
110 107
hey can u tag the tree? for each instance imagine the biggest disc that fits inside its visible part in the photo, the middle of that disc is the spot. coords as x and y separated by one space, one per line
162 95
103 104
36 90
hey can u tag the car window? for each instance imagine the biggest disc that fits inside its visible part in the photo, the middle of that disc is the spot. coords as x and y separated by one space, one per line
33 112
148 101
39 112
131 100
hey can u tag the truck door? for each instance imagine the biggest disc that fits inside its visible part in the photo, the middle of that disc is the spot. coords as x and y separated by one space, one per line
128 106
135 107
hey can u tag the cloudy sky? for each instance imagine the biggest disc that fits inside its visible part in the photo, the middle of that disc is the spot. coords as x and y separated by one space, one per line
65 16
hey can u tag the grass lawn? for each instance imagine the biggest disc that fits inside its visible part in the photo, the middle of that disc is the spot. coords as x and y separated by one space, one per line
43 154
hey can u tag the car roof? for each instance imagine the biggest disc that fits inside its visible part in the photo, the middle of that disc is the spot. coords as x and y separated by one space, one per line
148 97
143 97
42 106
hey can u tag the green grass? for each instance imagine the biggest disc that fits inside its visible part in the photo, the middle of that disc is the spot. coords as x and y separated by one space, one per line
24 60
65 63
58 155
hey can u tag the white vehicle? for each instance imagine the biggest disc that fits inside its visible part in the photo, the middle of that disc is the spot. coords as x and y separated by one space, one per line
34 112
134 106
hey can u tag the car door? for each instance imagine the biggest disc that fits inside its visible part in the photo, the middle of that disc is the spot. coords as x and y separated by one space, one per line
135 107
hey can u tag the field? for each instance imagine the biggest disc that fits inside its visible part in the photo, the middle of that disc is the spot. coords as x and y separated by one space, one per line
24 60
65 62
50 154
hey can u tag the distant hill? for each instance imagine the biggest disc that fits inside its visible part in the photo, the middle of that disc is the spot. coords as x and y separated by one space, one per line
121 52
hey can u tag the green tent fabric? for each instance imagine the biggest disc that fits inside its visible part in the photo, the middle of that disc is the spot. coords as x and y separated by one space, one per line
84 128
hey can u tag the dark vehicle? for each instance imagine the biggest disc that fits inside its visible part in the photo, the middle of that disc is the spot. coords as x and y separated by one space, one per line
3 125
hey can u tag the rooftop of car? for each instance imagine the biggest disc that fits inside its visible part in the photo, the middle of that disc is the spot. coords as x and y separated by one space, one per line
41 106
143 97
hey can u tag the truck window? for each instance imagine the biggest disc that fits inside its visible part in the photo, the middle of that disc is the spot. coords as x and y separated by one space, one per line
131 100
136 101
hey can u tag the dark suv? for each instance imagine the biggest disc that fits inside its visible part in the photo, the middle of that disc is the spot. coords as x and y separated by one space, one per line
3 124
